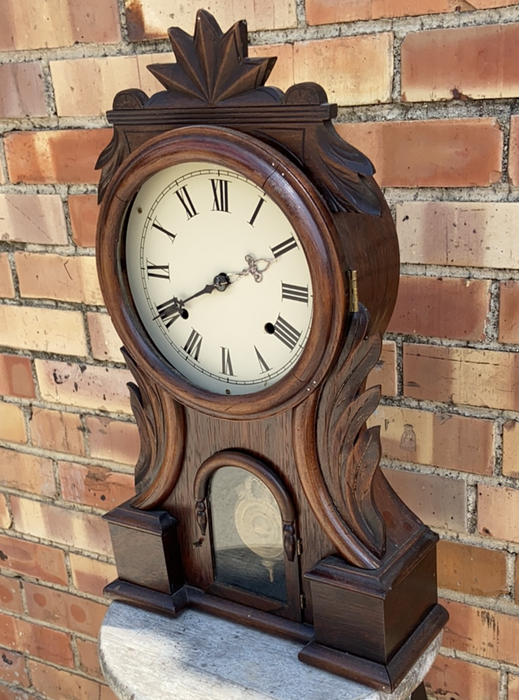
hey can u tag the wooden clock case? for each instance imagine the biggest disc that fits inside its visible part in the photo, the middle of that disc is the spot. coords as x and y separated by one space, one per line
360 567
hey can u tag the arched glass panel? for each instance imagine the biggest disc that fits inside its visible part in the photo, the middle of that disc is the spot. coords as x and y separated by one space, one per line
247 533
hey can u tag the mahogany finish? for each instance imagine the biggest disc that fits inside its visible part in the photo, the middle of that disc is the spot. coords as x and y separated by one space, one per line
359 565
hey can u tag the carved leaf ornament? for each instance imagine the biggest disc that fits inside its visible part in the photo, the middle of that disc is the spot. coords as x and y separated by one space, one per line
212 66
338 466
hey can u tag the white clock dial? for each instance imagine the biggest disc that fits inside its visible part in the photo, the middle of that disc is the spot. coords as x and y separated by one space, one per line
219 278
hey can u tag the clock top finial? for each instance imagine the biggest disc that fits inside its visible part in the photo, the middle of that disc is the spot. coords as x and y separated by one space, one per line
212 66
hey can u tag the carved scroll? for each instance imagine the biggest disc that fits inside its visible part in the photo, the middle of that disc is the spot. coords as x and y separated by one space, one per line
337 456
161 425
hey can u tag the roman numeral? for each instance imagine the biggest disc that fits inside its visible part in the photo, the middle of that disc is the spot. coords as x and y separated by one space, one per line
282 248
256 211
159 271
294 293
286 333
221 195
188 205
168 312
156 225
193 344
263 365
226 363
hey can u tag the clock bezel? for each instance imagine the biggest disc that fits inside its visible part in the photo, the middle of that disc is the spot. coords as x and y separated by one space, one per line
300 203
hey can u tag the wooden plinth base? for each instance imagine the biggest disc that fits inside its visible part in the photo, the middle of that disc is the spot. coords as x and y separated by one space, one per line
374 624
376 675
146 549
370 626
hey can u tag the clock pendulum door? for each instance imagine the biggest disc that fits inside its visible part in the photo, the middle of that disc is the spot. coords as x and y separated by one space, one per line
250 266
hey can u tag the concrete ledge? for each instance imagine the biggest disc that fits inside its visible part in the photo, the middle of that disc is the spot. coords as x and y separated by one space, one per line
147 656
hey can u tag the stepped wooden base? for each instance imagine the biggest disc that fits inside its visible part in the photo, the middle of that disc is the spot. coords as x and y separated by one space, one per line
385 677
146 549
370 626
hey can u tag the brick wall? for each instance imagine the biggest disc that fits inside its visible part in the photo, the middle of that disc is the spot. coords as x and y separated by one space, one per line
428 89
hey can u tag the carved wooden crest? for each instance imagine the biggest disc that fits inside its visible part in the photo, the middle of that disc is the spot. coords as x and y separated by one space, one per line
212 77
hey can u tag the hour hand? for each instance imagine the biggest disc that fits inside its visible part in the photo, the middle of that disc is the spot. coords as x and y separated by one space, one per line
170 310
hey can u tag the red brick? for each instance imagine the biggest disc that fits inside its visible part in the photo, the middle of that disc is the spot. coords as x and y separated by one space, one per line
29 328
513 159
57 430
26 472
21 90
326 12
472 570
113 441
10 594
16 377
105 342
31 559
12 423
469 63
91 575
55 156
64 610
509 312
439 501
107 694
42 642
86 87
511 449
6 277
73 528
94 486
59 23
5 516
462 376
498 512
149 19
13 694
422 301
433 153
84 211
84 385
384 372
33 218
56 683
475 234
513 687
437 439
485 633
88 658
455 679
354 69
13 668
60 277
7 631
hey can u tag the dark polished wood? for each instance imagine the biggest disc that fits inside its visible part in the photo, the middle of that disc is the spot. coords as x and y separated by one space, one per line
385 677
360 566
419 693
154 560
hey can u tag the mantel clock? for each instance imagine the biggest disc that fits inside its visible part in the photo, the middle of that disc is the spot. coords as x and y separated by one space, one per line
250 265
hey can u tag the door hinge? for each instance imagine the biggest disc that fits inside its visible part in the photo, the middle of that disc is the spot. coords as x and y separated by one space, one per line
302 601
299 547
354 291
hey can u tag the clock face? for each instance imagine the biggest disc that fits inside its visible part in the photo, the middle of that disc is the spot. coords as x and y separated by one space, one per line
219 278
